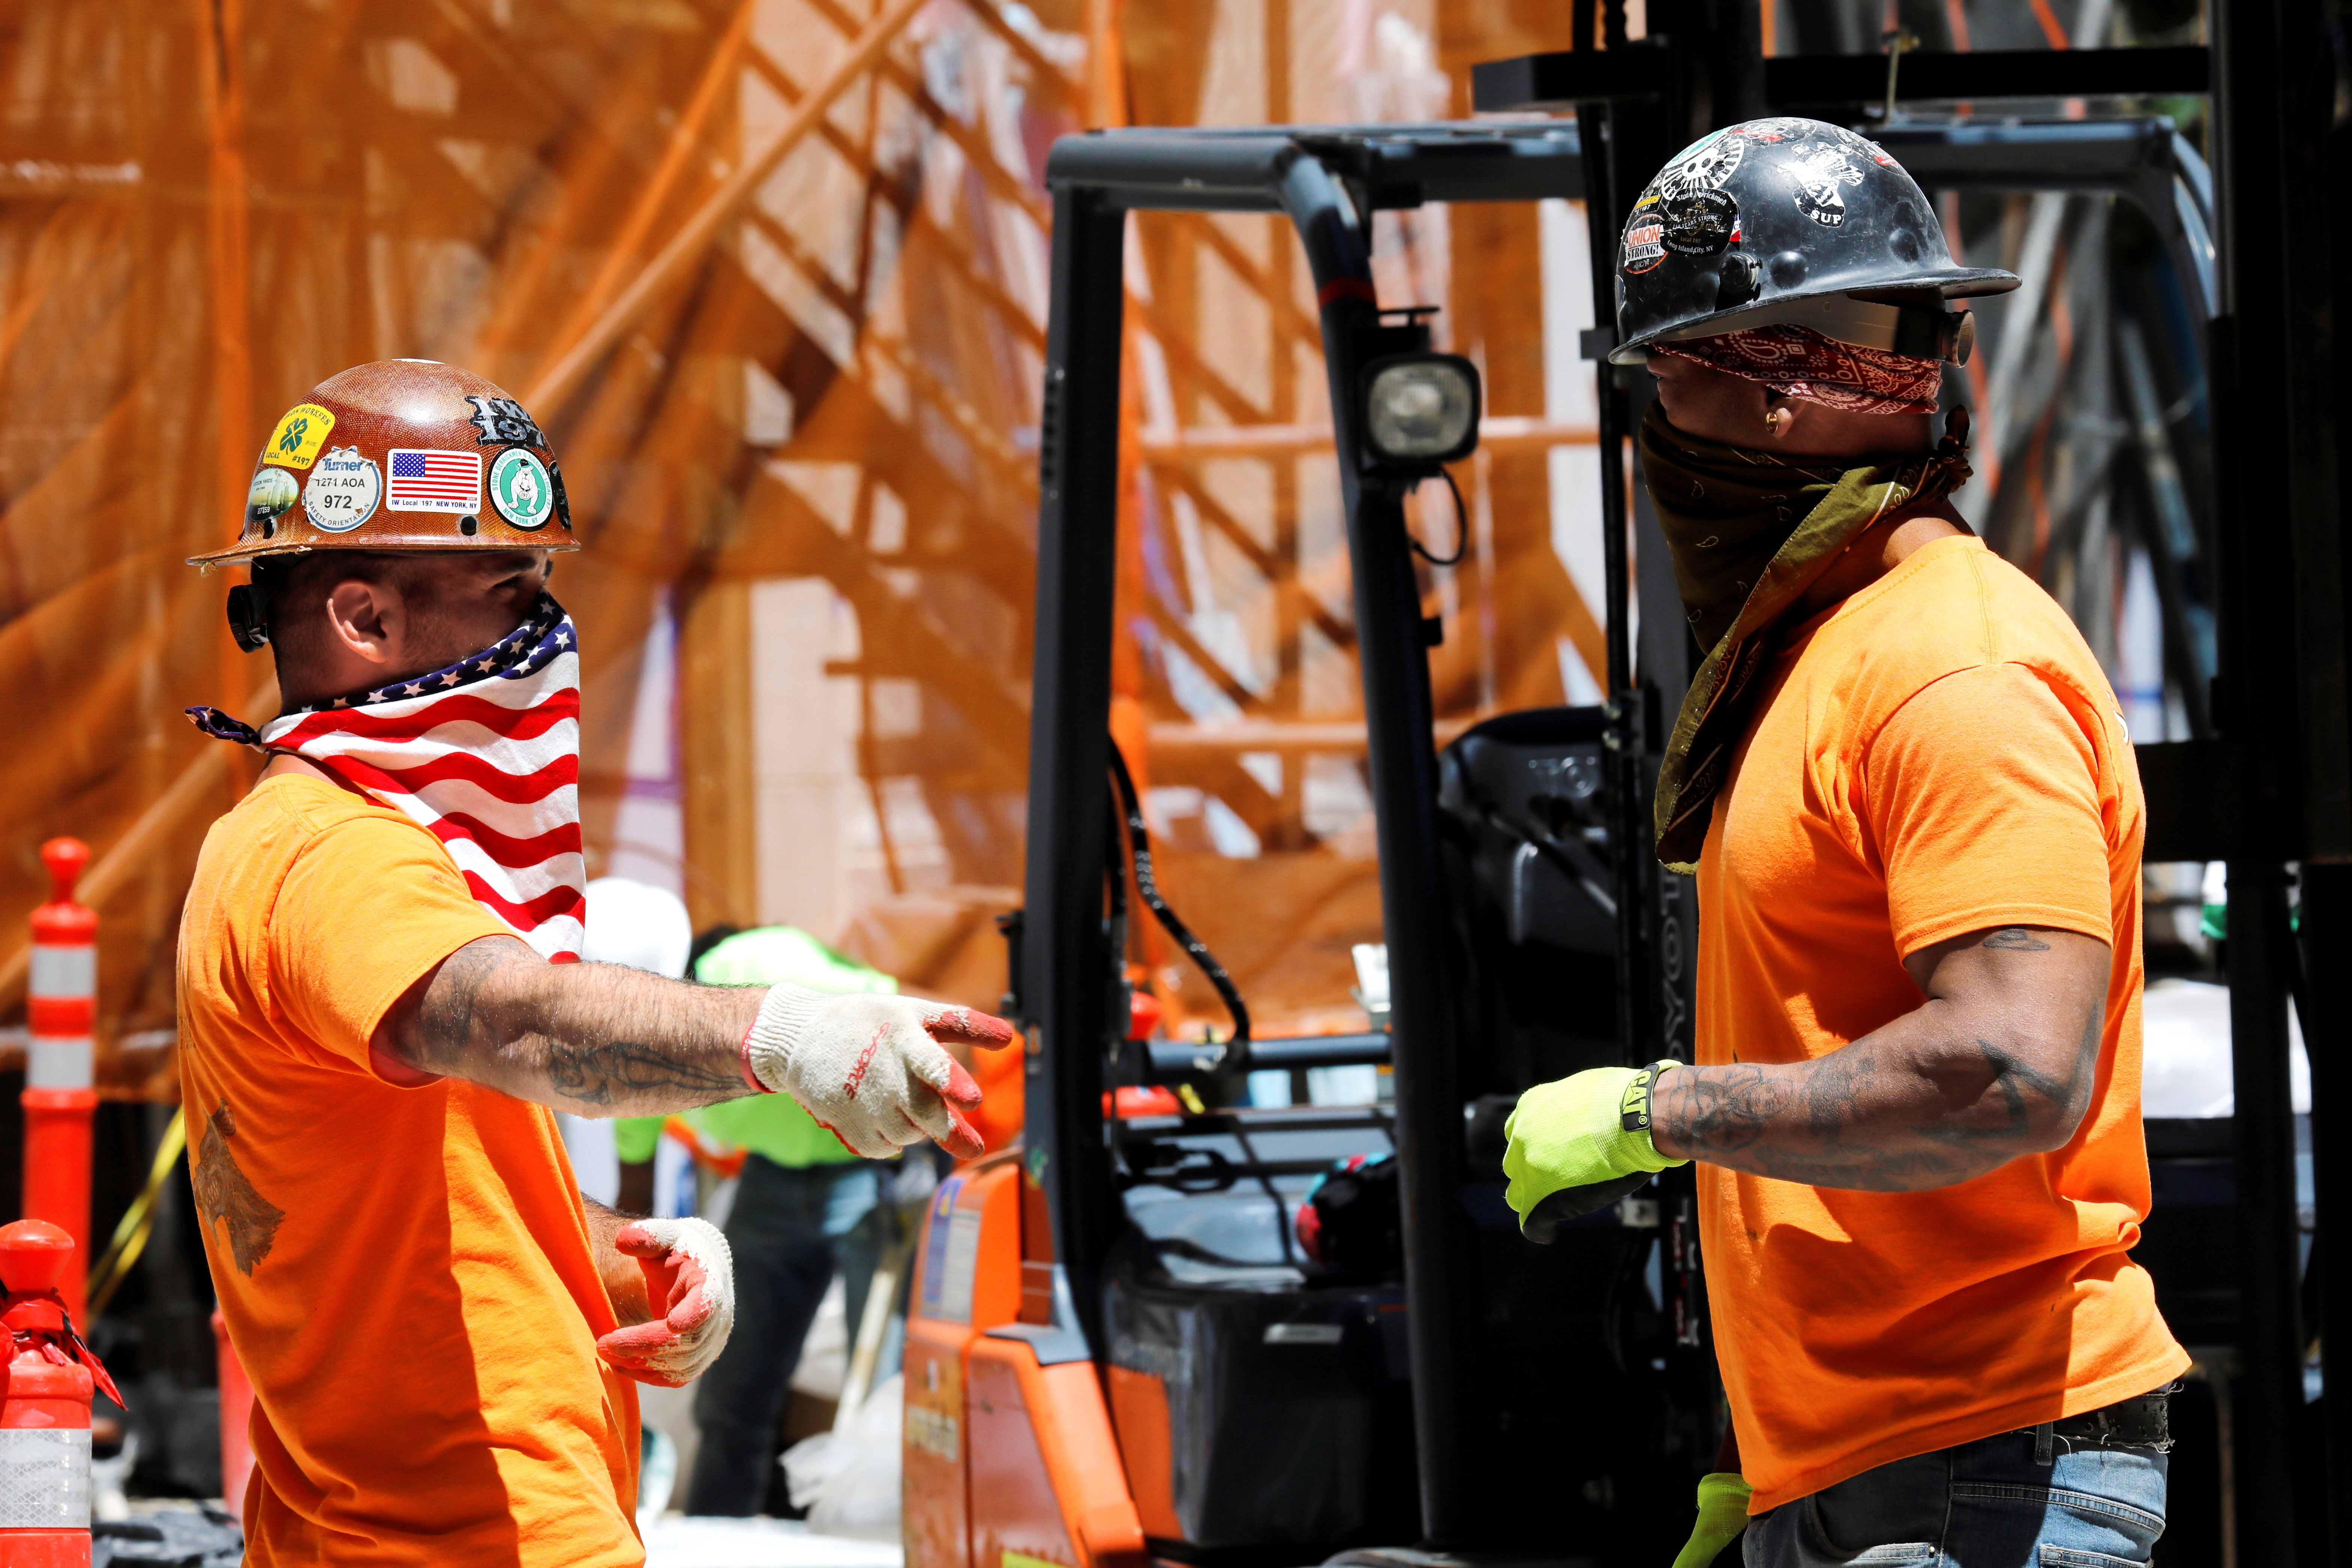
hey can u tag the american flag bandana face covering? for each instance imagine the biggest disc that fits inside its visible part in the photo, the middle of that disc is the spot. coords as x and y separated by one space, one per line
484 754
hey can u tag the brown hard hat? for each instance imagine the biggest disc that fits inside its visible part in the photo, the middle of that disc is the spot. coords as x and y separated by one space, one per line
402 454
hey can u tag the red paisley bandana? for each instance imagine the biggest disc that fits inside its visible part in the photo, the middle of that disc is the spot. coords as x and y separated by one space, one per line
1799 362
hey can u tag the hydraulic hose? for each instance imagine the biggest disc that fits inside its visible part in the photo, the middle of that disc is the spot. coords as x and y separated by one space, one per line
1235 1055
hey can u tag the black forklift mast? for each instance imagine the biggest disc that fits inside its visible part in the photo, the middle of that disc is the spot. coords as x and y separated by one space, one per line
1327 183
2266 786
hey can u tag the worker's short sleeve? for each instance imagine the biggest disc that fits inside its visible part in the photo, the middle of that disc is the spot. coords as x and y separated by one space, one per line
1982 795
369 907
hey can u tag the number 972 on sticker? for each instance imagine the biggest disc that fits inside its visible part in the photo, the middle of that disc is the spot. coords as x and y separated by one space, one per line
343 491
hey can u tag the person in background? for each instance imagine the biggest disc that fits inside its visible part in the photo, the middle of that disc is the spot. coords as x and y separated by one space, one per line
639 926
804 1208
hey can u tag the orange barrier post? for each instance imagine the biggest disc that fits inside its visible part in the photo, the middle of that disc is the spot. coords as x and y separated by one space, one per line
58 1098
44 1404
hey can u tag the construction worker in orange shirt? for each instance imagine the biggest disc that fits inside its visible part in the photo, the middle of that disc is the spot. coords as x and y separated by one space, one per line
1903 786
380 1002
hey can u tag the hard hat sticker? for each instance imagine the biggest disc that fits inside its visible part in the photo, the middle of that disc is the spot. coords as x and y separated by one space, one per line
343 491
300 435
501 420
1865 146
266 499
1701 224
1702 166
1645 244
427 480
1819 172
521 488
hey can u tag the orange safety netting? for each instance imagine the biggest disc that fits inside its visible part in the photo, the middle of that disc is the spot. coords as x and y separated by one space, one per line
772 273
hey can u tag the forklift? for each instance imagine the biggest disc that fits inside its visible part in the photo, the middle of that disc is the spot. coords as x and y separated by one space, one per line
1119 1348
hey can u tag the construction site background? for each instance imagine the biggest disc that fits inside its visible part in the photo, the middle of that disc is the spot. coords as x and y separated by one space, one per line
773 274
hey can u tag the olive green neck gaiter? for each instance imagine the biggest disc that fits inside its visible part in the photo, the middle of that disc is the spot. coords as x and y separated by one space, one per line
1749 533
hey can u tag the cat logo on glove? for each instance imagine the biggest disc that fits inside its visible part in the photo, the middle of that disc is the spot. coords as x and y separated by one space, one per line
520 487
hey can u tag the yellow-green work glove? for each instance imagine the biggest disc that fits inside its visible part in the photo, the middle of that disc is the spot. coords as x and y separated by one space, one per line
1580 1144
1722 1515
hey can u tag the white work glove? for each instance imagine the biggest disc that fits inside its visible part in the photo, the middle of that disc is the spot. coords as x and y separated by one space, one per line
690 1281
870 1067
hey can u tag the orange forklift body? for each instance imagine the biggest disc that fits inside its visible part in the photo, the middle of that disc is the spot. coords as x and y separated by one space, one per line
987 1418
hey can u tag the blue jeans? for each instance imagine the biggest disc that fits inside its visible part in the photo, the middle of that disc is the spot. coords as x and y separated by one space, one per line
1992 1503
790 1229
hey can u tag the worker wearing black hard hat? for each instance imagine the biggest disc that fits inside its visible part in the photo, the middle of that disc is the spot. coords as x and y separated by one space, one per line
1903 786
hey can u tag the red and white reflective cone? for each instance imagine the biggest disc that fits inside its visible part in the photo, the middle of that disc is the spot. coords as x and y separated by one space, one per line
44 1404
59 1098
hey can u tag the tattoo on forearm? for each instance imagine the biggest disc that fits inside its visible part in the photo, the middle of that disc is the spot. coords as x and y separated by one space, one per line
1726 1107
445 1018
1873 1116
2015 938
619 1069
495 1013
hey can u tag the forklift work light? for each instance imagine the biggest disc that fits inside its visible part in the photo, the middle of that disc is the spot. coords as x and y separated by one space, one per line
1421 411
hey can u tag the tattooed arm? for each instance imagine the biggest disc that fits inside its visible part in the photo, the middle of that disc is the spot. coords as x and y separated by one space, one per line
596 1039
1997 1062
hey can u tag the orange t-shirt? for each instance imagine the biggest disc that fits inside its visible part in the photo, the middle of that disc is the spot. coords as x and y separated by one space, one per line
405 1272
1938 755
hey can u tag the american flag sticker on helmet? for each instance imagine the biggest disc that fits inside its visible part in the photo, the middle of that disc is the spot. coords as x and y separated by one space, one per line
423 480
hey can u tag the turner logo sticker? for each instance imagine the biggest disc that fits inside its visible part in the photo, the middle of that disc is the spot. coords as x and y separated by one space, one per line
1645 242
1822 173
299 434
1703 166
522 489
343 491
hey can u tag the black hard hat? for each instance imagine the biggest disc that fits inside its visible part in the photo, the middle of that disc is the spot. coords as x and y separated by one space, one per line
1790 220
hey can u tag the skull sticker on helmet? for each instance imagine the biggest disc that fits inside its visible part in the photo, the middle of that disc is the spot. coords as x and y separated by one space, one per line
1703 166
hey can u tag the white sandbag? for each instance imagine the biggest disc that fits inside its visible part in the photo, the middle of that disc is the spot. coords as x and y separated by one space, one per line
848 1478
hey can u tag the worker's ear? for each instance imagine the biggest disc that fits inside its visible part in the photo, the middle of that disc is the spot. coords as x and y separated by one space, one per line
369 619
1782 414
